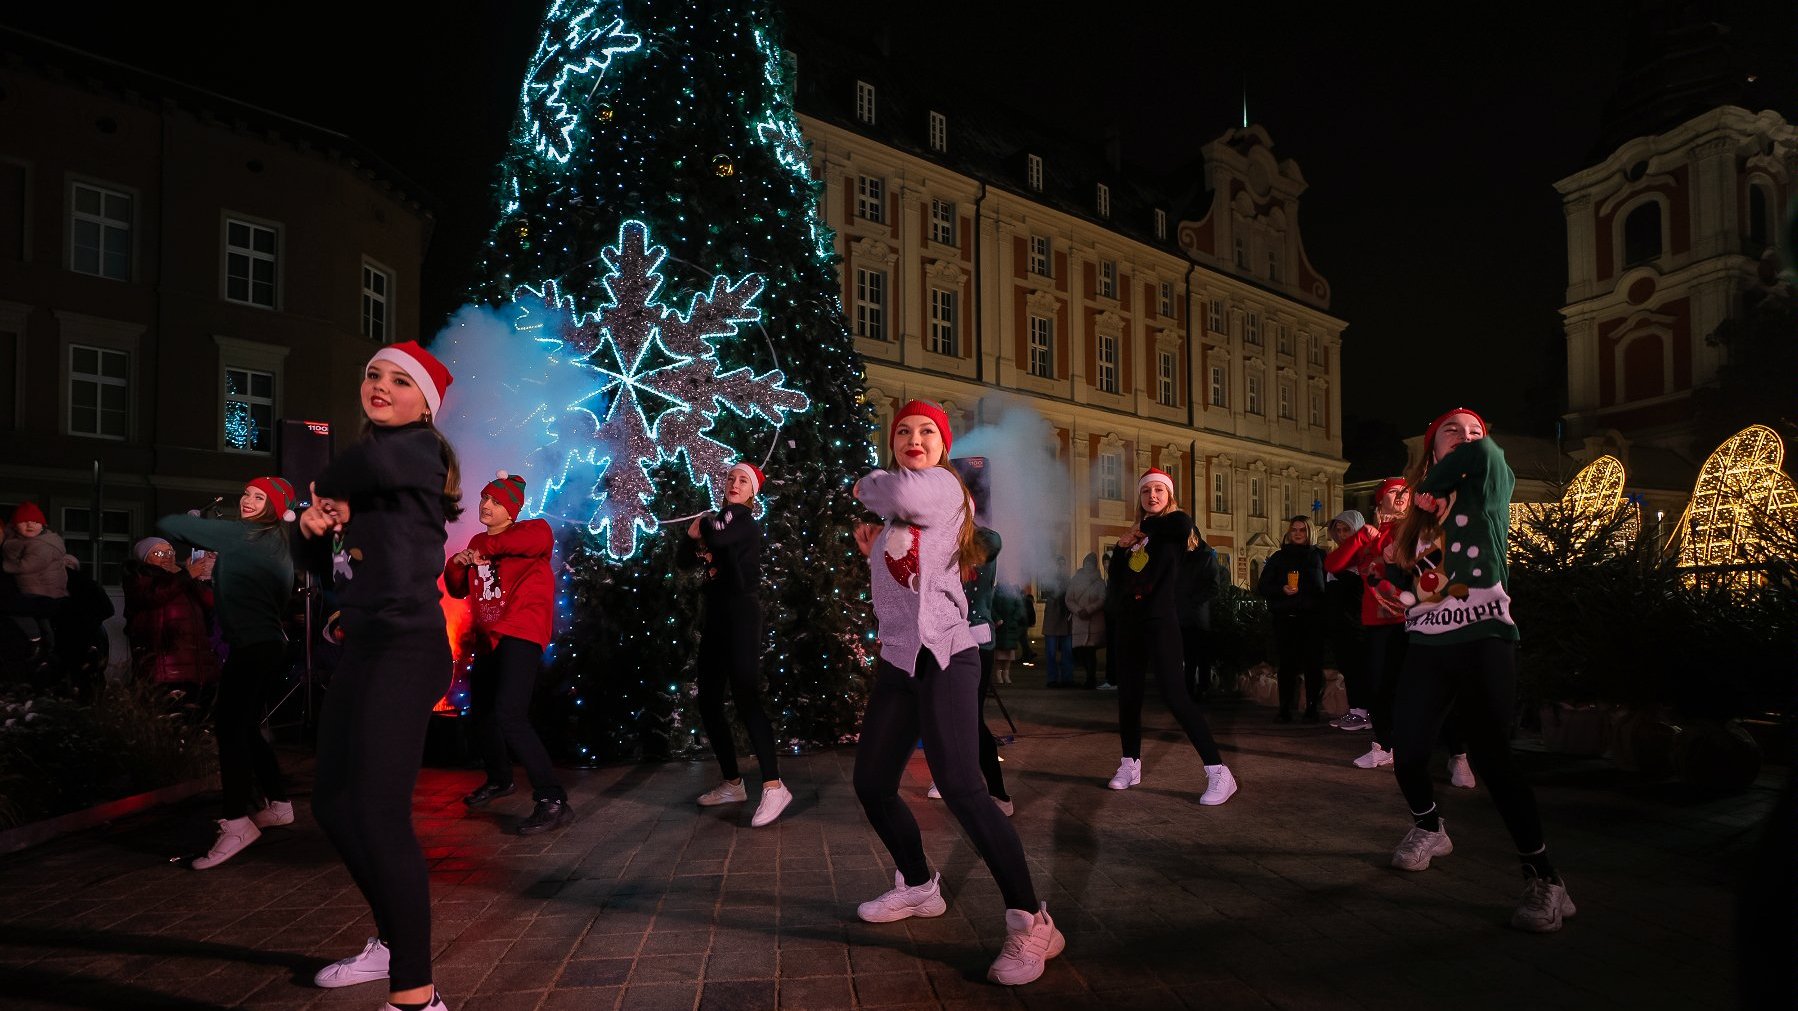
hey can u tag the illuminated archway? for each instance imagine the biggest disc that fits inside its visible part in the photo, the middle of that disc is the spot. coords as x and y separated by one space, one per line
1741 498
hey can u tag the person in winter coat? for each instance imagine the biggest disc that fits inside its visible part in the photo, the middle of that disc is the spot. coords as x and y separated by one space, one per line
1343 594
1086 606
168 618
35 557
506 571
1198 585
1058 630
1010 622
1292 582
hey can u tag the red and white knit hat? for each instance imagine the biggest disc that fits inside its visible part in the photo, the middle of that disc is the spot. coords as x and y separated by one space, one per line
753 472
1155 475
507 490
432 378
280 494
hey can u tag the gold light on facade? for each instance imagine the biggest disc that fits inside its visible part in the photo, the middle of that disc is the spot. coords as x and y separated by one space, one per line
1740 504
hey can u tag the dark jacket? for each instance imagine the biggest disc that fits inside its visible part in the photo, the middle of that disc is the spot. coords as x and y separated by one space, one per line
734 541
1151 591
1198 584
979 589
166 623
1009 617
252 580
1308 562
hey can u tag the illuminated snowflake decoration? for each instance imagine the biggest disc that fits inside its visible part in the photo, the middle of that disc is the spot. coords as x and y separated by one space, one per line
658 388
570 61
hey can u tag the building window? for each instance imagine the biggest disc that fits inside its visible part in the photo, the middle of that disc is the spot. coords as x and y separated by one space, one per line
871 304
1108 362
1251 328
1111 476
1160 223
1314 348
864 102
942 222
1220 492
1255 504
1104 201
1760 229
1285 499
250 263
1273 266
1242 253
1108 278
1167 386
376 283
942 321
1042 347
939 132
1033 171
1642 234
1167 299
100 232
249 410
1214 315
99 392
115 540
1317 410
1039 255
1282 338
1286 405
870 198
1220 389
1254 392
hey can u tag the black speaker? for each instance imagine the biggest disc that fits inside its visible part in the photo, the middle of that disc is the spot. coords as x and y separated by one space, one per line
302 451
973 474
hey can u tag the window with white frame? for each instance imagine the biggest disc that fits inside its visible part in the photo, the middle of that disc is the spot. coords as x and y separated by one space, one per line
1314 347
1220 492
1251 328
249 410
1220 387
1282 338
1255 504
870 198
1167 383
1214 315
1242 253
1317 409
1033 171
1160 223
1286 398
1110 481
1042 347
871 303
1173 474
1108 362
100 232
376 284
1039 255
250 251
942 222
864 102
1108 278
1273 266
1254 394
1167 299
942 321
1285 500
1103 201
939 132
99 392
78 536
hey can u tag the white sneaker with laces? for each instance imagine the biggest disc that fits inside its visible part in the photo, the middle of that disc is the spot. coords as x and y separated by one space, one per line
1543 906
234 835
774 800
1220 785
1460 773
724 793
277 813
1030 941
1376 756
436 1004
1129 774
365 966
1355 720
1420 845
933 793
905 901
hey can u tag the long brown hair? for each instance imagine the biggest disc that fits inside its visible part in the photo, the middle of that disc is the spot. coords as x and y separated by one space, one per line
969 551
452 470
1415 524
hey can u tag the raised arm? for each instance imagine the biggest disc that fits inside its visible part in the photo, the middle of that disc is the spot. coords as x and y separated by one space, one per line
924 498
732 525
200 532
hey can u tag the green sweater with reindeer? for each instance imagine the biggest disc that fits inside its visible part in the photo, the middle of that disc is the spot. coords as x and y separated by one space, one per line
1458 593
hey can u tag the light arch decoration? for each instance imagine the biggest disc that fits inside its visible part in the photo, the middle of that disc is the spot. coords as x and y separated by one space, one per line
1742 499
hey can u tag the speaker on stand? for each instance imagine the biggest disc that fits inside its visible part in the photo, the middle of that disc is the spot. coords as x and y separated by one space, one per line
302 452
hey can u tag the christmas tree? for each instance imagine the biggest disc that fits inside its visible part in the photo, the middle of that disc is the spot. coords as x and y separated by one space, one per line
658 229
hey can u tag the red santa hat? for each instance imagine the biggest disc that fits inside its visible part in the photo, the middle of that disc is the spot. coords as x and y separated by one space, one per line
1386 486
279 492
26 512
1155 475
432 378
1429 434
924 409
507 491
753 472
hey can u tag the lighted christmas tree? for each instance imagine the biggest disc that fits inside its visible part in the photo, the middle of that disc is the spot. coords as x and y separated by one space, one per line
658 227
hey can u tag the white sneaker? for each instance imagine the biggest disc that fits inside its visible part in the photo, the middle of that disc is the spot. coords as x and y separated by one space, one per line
1220 785
1355 720
278 812
436 1004
1376 756
774 800
1030 941
1460 773
1129 774
1005 806
1106 686
234 835
1420 845
1543 906
365 966
903 901
724 793
933 793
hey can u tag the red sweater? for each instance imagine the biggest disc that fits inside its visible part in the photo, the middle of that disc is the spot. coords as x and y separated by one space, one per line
1364 555
514 593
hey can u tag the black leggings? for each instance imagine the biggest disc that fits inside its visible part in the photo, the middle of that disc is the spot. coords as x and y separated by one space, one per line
1195 652
1088 658
730 653
500 688
371 742
1299 638
940 706
246 759
1348 642
1478 681
989 748
1155 646
1386 645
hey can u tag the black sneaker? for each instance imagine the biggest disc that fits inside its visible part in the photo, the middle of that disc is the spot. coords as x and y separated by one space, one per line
549 814
489 791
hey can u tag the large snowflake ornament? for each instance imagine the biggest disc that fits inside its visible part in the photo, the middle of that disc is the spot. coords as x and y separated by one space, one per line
570 61
657 389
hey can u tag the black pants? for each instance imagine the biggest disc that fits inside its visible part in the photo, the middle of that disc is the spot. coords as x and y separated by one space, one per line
1386 646
1154 647
371 742
500 689
1088 658
1195 652
989 747
246 760
939 705
1299 638
1349 643
1478 681
730 651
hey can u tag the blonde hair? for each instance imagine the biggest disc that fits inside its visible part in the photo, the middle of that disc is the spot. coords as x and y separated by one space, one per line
1173 506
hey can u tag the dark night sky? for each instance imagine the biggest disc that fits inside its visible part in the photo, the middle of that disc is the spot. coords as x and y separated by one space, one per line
1430 149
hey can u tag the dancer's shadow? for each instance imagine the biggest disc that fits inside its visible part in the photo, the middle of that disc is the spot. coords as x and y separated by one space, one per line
80 991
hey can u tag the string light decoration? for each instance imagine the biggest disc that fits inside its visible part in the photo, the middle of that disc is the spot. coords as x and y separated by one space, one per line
637 99
1740 501
1592 504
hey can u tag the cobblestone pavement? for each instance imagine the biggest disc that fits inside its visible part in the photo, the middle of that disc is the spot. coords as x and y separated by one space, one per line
1281 898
